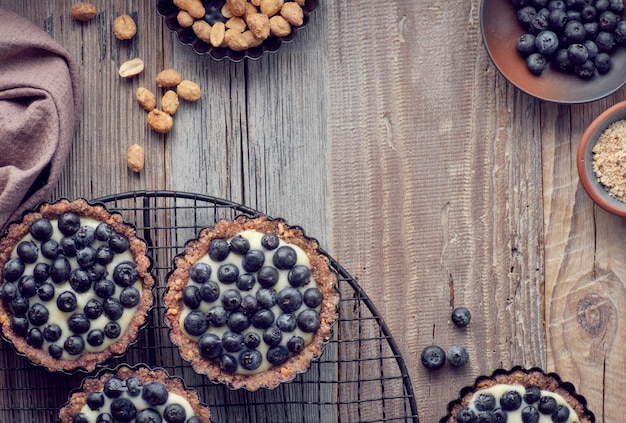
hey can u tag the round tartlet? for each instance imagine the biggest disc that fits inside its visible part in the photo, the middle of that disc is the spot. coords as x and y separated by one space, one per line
59 304
263 309
517 396
126 393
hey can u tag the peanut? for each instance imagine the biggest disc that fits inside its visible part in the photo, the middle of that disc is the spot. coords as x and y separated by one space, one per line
279 26
189 90
168 78
237 7
131 68
135 157
259 24
124 27
184 19
293 13
226 11
169 102
255 2
83 11
193 7
217 34
300 2
250 40
160 121
145 98
236 23
271 7
234 40
203 30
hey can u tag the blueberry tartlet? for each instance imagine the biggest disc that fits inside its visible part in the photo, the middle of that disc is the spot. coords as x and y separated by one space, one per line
519 396
138 395
251 302
76 285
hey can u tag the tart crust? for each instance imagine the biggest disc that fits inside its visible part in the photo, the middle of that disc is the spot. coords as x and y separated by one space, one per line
88 360
323 275
145 375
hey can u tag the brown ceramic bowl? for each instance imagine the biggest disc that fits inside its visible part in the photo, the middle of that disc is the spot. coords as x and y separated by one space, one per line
500 31
585 159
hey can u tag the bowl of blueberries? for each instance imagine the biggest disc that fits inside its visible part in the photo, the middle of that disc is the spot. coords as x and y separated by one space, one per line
562 51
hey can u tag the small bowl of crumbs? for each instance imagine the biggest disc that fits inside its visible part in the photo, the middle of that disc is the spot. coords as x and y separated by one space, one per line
601 159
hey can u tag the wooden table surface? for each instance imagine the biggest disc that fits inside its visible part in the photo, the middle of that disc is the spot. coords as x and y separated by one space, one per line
386 132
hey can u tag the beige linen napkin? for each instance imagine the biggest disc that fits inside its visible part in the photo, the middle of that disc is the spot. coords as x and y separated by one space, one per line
40 104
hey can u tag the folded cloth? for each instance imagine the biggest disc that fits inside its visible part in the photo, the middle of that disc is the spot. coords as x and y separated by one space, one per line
40 107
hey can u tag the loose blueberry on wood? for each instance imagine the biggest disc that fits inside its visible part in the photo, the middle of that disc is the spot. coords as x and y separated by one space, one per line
457 356
461 317
433 357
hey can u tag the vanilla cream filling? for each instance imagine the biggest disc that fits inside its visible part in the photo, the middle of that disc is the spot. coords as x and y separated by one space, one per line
515 416
254 238
59 317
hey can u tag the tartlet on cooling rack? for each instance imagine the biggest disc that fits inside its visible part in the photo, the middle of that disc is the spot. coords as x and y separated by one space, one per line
519 395
139 393
251 302
76 285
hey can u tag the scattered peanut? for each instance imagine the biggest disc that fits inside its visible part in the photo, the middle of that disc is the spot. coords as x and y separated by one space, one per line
168 78
83 11
160 121
184 19
169 102
293 13
124 27
279 26
193 7
135 157
203 30
145 98
131 68
189 90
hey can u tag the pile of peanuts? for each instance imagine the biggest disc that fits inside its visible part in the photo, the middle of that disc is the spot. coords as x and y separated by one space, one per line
248 22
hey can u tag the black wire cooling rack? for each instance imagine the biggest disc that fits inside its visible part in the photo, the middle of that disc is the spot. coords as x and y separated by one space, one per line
361 377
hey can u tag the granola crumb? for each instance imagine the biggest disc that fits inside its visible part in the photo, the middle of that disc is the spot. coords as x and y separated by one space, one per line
609 160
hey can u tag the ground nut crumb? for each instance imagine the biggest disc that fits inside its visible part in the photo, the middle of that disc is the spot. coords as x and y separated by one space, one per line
169 102
217 34
189 90
83 11
609 160
135 157
131 68
193 7
160 121
271 7
203 30
184 19
168 78
293 13
124 27
145 98
279 26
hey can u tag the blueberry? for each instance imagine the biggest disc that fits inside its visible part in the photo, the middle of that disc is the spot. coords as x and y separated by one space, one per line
80 418
592 49
536 63
68 223
104 288
526 14
130 297
574 32
34 338
175 413
272 336
251 340
231 299
232 342
13 269
270 241
608 21
588 13
74 345
530 414
78 323
465 415
113 387
86 257
616 6
511 401
41 229
250 359
605 41
253 260
238 322
95 400
457 356
200 272
192 297
209 291
112 308
38 314
79 280
66 301
556 4
295 344
602 5
585 70
52 332
154 393
27 285
484 417
263 319
103 232
217 316
194 419
118 243
148 415
532 395
27 251
245 282
461 317
546 42
196 323
84 236
574 15
133 386
289 299
55 351
308 320
96 272
125 274
104 418
485 402
266 297
50 249
218 249
228 363
112 330
277 355
210 345
287 322
95 337
592 29
299 275
603 62
123 410
577 53
561 414
547 405
620 33
433 357
104 255
8 292
60 270
19 324
538 23
312 297
227 273
557 19
267 276
239 245
285 257
68 246
20 305
41 272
